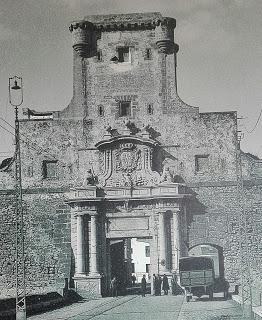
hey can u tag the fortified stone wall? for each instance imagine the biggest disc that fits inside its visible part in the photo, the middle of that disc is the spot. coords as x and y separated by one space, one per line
215 220
47 242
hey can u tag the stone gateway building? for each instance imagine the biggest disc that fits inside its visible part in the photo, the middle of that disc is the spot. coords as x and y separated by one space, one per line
127 158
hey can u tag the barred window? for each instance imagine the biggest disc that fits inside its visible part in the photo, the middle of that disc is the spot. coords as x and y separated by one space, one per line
124 108
50 168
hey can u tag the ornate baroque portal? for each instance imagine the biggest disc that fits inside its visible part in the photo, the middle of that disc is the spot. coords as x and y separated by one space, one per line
129 198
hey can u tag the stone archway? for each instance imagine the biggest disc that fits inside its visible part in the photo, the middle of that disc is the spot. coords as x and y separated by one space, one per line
212 251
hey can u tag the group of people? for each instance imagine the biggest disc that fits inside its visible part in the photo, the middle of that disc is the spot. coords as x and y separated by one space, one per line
159 284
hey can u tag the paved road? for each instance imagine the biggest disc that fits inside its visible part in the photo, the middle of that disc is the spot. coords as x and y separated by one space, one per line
148 308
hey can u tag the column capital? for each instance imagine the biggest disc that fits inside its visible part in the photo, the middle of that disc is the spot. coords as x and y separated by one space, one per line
160 211
85 213
92 212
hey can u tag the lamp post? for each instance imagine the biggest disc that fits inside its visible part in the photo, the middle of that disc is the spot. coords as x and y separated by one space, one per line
16 99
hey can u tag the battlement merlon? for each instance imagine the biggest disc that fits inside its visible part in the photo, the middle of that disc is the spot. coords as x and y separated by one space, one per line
122 22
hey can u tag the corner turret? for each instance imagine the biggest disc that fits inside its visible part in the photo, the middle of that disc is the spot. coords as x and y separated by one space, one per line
164 34
84 38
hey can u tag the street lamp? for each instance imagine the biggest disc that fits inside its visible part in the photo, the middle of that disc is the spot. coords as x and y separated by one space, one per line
16 99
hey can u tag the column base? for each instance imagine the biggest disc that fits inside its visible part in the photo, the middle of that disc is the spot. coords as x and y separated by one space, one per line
88 286
176 271
80 275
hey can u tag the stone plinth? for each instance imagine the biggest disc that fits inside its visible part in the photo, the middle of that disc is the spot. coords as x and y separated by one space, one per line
88 286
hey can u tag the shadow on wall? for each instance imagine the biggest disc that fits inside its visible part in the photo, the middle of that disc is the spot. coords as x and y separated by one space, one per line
195 207
72 270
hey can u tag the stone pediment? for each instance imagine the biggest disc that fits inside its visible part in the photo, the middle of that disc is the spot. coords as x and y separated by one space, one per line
127 161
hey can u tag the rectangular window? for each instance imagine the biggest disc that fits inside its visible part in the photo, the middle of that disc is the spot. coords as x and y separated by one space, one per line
201 163
50 169
147 268
148 54
147 251
124 108
123 54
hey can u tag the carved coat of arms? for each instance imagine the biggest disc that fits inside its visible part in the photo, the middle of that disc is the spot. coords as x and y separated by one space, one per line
129 157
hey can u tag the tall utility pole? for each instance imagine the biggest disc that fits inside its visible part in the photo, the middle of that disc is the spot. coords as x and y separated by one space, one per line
16 99
244 248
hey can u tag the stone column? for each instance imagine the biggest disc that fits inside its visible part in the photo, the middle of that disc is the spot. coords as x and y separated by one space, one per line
177 239
162 243
80 254
93 249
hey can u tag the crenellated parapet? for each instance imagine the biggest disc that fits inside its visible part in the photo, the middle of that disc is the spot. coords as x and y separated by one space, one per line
85 31
133 21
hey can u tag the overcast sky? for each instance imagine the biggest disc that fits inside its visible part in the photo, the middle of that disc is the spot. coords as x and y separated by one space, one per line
219 62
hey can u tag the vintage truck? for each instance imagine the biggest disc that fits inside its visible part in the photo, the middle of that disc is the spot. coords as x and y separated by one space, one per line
197 276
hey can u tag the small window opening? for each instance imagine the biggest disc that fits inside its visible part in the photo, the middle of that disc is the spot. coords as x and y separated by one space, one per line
147 251
99 55
50 168
125 109
123 54
30 171
101 111
148 53
201 163
150 109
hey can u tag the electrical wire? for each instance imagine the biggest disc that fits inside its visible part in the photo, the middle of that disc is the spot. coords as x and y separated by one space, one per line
258 119
7 130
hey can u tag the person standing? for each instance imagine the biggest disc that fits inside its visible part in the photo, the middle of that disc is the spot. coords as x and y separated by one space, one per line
165 284
158 283
174 284
113 287
154 284
133 278
143 286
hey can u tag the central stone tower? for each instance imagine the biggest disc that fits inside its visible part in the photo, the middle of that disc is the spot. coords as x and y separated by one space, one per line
124 90
124 66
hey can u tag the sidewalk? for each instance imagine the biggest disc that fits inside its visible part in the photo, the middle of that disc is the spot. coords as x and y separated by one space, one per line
257 310
83 309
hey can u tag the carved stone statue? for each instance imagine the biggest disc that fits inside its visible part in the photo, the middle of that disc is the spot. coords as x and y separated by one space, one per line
89 178
166 176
